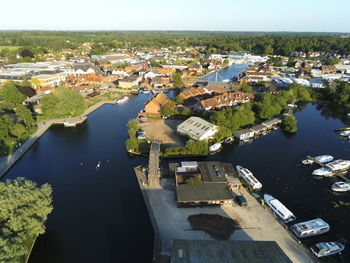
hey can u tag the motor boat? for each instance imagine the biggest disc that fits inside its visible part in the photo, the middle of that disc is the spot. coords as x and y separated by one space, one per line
122 99
323 249
69 124
310 228
215 147
341 186
345 133
324 158
323 172
307 161
338 165
229 140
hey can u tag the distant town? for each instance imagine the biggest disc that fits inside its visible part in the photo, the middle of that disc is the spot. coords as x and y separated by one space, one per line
198 100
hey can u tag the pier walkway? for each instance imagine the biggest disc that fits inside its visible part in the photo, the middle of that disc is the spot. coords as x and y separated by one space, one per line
7 161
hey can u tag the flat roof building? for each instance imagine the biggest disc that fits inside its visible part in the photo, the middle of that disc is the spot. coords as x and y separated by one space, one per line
213 251
197 129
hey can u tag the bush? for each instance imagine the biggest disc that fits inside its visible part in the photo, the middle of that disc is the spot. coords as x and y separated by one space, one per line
289 124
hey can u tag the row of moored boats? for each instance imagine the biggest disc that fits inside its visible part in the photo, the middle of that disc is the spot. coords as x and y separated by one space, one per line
301 230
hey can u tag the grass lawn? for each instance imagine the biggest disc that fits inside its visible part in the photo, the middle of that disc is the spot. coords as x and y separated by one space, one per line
9 47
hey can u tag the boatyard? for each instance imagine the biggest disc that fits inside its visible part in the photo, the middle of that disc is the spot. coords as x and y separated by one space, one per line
255 221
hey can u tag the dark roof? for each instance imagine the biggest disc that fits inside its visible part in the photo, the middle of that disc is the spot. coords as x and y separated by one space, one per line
214 251
203 192
208 172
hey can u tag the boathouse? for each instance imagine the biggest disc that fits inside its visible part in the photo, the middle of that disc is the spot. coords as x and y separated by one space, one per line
244 134
259 129
270 124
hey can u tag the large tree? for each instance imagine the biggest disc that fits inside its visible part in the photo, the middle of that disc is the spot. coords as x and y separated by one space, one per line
11 94
24 208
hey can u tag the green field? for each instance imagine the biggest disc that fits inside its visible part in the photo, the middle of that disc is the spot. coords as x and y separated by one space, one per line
9 47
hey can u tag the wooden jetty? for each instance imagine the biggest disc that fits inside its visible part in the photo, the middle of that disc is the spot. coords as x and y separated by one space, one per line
314 161
341 176
343 129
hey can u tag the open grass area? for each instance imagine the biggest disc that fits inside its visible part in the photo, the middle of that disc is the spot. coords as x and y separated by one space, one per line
9 47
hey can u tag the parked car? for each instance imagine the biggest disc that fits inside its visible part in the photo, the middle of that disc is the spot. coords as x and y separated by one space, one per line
241 200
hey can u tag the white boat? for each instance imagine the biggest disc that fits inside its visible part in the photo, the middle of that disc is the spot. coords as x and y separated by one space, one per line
341 186
323 172
307 161
323 249
98 165
229 140
69 124
345 133
215 147
348 114
122 99
338 165
324 158
279 209
248 177
310 228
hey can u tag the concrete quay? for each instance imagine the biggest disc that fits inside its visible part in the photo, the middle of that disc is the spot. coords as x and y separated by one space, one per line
256 222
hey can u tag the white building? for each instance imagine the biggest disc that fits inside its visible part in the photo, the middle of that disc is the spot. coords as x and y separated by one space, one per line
197 129
244 134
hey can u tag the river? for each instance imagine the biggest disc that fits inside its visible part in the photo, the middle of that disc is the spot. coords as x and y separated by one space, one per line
100 216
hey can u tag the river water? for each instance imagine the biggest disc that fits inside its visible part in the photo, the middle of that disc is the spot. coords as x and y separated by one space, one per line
100 216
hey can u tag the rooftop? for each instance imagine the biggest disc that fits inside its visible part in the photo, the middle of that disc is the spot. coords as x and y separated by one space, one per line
211 251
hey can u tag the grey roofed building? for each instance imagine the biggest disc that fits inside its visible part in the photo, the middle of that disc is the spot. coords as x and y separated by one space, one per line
213 251
203 193
197 128
271 123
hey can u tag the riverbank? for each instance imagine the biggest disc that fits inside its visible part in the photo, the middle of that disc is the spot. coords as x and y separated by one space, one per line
256 222
8 161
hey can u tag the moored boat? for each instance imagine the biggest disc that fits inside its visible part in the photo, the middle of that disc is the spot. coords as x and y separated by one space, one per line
69 124
338 165
345 133
279 209
310 228
323 172
215 147
248 177
323 249
229 140
324 158
122 99
307 161
341 186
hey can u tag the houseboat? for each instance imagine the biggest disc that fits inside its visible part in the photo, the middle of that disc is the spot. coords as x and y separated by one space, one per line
122 99
310 228
323 172
215 147
338 165
69 124
341 187
324 249
248 177
279 209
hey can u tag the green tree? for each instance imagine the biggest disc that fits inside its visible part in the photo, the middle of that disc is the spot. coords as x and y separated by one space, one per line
289 124
24 114
178 80
247 88
24 208
167 111
11 94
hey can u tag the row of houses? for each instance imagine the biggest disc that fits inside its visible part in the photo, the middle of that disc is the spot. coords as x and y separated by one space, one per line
257 130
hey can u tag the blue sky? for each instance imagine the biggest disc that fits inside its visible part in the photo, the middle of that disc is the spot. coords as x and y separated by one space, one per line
227 15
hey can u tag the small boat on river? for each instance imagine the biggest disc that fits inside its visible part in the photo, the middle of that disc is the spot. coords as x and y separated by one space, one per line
310 228
341 187
338 165
325 172
69 124
323 249
345 133
324 158
98 165
122 99
215 147
229 140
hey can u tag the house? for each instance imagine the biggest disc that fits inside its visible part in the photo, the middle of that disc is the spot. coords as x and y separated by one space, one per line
197 129
152 74
218 86
259 129
244 134
129 82
272 123
328 69
194 92
49 79
154 106
84 68
212 190
225 100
